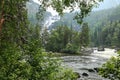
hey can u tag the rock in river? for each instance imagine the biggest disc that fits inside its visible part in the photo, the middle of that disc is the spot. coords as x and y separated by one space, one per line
85 74
96 69
91 70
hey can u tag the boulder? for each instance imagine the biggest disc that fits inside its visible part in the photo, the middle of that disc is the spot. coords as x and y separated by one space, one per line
85 74
96 69
91 70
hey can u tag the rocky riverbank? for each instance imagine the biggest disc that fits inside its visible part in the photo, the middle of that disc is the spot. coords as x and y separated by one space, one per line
87 65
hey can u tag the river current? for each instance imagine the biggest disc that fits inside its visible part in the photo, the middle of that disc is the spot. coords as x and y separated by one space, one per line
86 63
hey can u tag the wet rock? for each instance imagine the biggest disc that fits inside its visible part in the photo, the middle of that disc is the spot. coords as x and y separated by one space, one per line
77 74
96 69
91 70
85 74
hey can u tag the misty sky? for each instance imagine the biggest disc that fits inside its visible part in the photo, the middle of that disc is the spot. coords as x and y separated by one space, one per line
107 4
103 5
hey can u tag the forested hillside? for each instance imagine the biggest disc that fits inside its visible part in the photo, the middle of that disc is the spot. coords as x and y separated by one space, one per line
94 18
101 21
32 50
23 54
68 20
98 18
98 21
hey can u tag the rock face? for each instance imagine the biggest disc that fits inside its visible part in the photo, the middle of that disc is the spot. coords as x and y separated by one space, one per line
85 74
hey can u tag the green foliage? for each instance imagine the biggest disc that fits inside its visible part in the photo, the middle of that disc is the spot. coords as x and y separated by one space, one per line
64 39
119 52
111 69
34 65
84 38
108 35
56 39
104 28
70 48
21 53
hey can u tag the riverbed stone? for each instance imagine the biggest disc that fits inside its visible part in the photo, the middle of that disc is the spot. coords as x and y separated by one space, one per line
91 70
85 74
96 69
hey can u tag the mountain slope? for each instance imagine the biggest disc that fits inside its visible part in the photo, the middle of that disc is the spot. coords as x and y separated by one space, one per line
95 18
33 8
100 18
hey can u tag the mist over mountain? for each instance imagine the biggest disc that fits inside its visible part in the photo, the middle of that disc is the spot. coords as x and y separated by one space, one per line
32 8
98 18
94 18
66 20
107 10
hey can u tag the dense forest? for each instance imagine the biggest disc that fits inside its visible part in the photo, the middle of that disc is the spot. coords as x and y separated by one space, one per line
62 35
27 47
65 39
105 28
99 25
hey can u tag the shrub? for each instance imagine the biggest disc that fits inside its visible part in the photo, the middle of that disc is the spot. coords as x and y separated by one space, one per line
72 49
111 69
31 64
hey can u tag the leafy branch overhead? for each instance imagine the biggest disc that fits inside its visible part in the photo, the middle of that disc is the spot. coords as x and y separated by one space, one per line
84 6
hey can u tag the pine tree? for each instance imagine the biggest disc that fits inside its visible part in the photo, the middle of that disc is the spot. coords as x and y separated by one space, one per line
84 37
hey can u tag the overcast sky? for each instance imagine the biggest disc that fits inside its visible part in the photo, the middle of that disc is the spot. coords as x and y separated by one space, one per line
107 4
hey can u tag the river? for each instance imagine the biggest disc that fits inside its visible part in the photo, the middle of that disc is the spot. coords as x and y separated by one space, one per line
86 63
